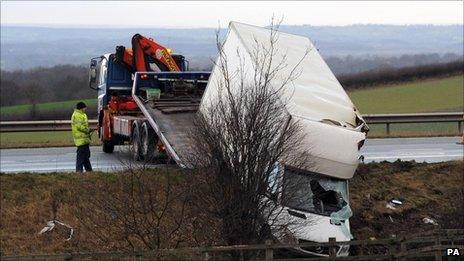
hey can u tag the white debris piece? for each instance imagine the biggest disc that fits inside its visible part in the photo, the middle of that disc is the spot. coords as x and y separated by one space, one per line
390 206
51 225
428 220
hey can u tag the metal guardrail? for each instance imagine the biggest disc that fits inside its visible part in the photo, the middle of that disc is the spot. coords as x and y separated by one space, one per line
387 119
33 126
436 117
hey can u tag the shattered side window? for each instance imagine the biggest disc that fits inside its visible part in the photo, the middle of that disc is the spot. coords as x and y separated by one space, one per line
314 193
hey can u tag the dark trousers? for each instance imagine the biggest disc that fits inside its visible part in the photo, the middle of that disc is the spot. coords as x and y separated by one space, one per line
83 158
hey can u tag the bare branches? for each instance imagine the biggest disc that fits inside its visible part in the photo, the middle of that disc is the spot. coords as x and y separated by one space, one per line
145 209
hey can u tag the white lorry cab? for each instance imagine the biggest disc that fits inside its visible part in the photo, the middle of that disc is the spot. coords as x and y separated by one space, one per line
334 132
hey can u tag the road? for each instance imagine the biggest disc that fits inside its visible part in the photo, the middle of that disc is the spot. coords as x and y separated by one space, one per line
434 149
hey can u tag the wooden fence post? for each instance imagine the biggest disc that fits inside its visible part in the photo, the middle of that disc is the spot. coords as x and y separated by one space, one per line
391 251
404 249
438 254
332 248
269 252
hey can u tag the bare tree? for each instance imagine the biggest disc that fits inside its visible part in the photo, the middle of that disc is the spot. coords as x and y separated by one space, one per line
34 92
135 209
239 140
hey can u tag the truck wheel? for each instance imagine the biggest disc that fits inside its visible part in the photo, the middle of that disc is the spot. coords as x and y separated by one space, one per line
108 146
148 141
136 142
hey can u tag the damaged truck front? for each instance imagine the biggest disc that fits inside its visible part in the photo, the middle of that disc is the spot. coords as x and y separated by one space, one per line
334 133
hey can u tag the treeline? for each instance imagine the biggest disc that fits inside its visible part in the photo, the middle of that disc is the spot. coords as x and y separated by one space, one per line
57 83
356 64
69 82
389 76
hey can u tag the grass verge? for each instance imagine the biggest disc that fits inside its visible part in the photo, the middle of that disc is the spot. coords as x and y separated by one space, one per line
39 139
427 190
414 130
29 200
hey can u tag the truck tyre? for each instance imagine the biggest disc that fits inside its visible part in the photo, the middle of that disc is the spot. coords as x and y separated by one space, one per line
108 146
148 142
136 142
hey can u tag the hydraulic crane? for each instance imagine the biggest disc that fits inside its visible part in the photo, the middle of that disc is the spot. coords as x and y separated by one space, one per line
137 58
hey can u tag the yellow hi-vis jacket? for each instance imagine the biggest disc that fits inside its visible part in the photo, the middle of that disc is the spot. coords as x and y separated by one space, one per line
80 128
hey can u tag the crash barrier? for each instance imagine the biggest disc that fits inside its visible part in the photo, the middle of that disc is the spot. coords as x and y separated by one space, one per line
438 244
387 119
433 117
33 126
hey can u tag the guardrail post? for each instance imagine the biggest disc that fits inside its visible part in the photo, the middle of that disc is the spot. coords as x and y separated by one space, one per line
388 129
460 127
332 248
269 252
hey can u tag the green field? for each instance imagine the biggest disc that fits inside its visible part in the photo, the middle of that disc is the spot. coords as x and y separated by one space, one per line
44 107
431 95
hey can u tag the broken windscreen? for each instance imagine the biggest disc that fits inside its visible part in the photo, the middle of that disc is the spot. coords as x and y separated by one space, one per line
313 193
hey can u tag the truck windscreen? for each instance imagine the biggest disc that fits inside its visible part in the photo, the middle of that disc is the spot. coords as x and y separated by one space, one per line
313 193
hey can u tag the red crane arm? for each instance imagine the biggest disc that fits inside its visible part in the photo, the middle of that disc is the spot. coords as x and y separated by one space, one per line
142 46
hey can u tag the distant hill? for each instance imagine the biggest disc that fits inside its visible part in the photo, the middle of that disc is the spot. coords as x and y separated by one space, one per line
344 47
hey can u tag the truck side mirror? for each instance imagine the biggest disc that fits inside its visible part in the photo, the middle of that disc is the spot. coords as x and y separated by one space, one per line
93 74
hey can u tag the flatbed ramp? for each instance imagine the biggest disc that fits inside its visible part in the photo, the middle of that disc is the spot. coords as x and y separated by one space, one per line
173 120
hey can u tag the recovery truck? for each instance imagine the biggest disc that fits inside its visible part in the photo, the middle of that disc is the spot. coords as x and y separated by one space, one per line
147 97
129 101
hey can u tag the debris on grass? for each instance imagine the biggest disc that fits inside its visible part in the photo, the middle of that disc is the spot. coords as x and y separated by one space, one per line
428 220
390 206
396 201
51 225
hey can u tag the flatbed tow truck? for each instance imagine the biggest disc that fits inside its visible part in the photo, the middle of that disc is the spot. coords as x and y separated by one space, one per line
147 98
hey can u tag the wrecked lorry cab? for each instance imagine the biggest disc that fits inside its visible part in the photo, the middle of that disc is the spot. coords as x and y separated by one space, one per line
334 129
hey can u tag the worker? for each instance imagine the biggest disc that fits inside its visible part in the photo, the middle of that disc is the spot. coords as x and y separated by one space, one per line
81 134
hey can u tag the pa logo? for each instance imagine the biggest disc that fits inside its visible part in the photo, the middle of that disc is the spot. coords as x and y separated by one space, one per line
453 252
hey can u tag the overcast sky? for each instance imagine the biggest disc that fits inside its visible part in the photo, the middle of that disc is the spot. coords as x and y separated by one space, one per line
210 13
